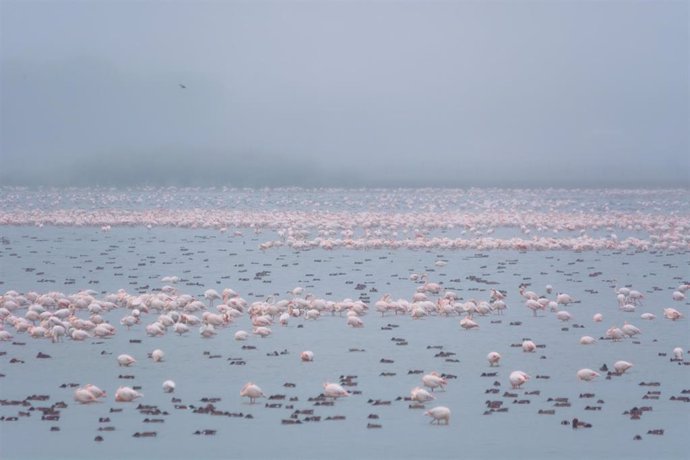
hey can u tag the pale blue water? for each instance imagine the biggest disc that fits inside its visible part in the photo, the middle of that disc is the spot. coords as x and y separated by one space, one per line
71 259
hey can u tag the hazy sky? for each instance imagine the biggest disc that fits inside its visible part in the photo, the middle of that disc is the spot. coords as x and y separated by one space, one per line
345 93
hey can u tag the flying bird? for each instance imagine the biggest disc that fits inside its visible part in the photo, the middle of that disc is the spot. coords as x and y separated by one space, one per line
182 86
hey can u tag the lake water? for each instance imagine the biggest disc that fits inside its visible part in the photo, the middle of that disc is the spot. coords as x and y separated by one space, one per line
38 256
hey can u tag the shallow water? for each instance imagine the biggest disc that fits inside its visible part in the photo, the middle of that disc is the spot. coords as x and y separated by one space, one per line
71 259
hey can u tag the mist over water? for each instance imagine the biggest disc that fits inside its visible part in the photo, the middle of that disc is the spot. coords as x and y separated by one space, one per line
449 94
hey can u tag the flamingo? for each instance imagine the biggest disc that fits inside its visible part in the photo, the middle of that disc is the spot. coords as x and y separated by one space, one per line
383 305
467 323
157 355
94 390
615 333
125 360
126 394
438 414
421 395
211 295
528 295
563 299
587 375
534 305
493 358
434 380
354 321
630 330
496 295
563 315
433 288
79 335
180 328
333 390
307 356
284 318
528 346
168 386
262 332
635 297
621 366
672 314
587 340
84 396
518 378
207 331
251 391
241 335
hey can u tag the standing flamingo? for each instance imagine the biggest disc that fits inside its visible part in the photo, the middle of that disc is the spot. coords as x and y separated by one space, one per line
518 378
438 414
251 391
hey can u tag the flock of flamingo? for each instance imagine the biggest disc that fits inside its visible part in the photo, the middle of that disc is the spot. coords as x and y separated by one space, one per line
457 221
55 316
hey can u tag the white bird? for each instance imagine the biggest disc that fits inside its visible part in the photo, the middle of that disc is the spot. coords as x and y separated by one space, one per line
251 391
533 305
5 336
211 295
312 314
125 360
438 414
84 396
355 321
241 335
628 307
284 319
262 332
421 395
630 330
94 390
307 356
528 346
678 353
615 333
598 318
467 323
207 331
518 378
493 358
621 366
587 340
563 299
180 328
333 390
434 380
672 314
587 375
563 315
79 335
126 394
157 355
168 386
